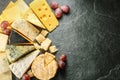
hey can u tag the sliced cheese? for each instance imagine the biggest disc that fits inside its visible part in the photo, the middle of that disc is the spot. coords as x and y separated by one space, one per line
40 38
20 41
46 44
3 42
44 32
15 52
26 29
48 58
44 13
31 17
22 65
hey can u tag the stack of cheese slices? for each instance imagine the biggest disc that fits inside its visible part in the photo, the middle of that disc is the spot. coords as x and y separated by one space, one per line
27 47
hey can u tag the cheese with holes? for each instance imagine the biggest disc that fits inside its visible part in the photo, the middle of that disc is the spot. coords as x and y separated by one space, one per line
22 65
40 38
26 29
46 44
31 17
15 52
44 13
3 42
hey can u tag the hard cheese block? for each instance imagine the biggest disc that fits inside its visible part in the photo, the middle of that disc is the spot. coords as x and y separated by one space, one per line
25 29
3 42
44 13
19 41
15 52
31 17
22 65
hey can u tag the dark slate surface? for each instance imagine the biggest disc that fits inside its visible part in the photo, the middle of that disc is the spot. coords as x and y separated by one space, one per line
90 36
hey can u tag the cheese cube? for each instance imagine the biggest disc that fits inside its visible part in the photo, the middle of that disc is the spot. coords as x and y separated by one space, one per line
45 44
53 49
3 42
37 46
44 13
44 32
40 38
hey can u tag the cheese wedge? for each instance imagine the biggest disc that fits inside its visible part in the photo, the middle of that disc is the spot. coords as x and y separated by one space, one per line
4 65
31 17
46 44
15 52
44 13
25 29
48 58
44 71
3 42
22 65
19 41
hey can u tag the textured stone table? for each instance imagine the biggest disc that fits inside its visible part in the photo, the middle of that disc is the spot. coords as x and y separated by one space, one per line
90 36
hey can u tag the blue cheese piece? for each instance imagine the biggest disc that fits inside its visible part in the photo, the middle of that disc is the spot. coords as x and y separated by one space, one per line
15 52
22 65
26 29
3 42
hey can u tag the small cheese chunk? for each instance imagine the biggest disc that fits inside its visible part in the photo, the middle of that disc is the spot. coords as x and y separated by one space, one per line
30 73
37 46
44 32
23 64
3 42
45 44
40 38
53 49
44 13
26 29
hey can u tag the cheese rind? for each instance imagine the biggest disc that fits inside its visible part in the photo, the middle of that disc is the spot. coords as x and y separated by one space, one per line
44 13
15 52
3 42
26 29
22 65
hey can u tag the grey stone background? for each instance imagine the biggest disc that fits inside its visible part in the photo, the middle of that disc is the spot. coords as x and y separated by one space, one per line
90 36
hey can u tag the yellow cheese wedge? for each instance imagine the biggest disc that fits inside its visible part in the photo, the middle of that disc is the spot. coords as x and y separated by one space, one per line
44 13
31 17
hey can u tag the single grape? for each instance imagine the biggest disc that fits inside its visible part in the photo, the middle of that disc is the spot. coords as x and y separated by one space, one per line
54 5
58 13
65 9
4 24
61 64
26 77
7 31
63 57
